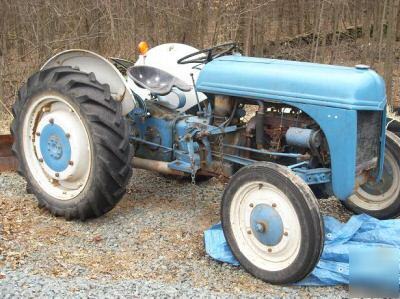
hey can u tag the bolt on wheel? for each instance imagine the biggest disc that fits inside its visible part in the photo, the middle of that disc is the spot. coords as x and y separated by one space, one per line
72 143
57 146
272 223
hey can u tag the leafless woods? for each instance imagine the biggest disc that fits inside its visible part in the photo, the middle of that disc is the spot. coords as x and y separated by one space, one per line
327 31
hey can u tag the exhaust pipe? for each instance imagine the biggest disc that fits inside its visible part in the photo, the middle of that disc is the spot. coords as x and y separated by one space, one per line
162 167
157 166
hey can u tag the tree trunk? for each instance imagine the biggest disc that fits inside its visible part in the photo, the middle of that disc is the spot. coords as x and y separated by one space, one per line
382 29
389 57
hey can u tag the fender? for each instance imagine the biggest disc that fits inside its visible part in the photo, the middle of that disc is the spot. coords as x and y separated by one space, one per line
105 72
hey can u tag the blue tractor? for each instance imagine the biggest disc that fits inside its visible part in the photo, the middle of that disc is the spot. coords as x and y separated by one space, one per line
281 131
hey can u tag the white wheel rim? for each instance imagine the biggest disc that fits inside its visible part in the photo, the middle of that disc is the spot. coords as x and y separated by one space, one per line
274 257
374 202
46 112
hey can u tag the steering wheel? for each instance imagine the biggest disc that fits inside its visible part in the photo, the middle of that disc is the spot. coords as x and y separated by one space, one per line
211 53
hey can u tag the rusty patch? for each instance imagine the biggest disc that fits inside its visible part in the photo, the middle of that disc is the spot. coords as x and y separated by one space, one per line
7 160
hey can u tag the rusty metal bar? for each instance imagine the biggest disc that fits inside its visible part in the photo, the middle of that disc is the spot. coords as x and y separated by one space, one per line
7 160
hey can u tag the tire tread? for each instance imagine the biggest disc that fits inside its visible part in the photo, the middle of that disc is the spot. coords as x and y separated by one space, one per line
114 164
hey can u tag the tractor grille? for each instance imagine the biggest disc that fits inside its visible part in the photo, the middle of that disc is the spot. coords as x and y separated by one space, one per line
368 134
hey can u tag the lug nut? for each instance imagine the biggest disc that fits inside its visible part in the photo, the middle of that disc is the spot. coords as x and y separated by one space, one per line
251 205
67 135
249 231
40 160
286 234
51 120
260 186
269 250
71 163
37 133
274 205
57 174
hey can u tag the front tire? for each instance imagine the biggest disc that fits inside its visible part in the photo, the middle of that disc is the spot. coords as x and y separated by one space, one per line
381 200
72 143
272 223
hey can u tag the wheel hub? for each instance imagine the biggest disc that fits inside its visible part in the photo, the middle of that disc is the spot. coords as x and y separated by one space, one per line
61 147
266 224
55 147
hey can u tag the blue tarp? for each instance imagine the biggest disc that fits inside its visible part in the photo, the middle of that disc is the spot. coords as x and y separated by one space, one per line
340 239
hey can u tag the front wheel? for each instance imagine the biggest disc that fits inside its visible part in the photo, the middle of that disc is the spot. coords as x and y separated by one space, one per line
381 199
272 223
71 141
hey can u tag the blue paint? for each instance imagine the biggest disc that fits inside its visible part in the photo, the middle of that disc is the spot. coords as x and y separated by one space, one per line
314 175
266 224
294 82
264 152
155 145
331 95
188 158
180 166
340 129
55 147
382 146
238 160
149 127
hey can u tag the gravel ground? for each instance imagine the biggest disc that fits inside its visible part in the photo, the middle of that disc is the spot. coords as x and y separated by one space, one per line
151 245
5 121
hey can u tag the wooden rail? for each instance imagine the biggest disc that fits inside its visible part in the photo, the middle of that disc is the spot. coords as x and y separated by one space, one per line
7 160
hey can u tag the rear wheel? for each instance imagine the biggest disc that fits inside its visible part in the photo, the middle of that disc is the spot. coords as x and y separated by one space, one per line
381 199
272 223
71 142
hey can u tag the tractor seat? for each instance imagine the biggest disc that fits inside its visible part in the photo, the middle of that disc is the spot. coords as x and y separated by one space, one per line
157 81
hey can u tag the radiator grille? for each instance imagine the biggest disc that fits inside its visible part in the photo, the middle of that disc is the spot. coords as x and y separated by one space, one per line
368 134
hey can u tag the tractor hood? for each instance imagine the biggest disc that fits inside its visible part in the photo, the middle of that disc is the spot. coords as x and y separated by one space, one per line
357 88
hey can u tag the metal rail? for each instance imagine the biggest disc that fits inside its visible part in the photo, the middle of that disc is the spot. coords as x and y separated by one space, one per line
264 152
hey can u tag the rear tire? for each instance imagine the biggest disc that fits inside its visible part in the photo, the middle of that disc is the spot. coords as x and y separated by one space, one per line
381 200
72 143
272 223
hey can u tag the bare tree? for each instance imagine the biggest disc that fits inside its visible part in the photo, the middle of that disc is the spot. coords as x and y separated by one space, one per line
340 31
